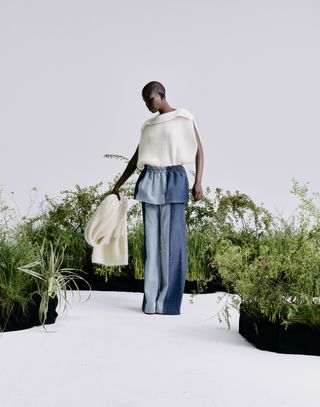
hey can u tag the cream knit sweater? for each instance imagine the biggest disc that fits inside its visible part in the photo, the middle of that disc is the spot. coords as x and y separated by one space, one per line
168 139
106 232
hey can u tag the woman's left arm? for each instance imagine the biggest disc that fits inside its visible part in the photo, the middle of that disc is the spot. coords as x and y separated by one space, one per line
197 188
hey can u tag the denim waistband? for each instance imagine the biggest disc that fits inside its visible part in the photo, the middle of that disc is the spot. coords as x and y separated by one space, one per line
178 167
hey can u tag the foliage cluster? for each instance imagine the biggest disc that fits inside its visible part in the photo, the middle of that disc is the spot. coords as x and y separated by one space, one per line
269 264
277 273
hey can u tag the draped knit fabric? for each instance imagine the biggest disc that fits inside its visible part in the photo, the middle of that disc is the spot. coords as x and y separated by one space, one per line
168 139
106 231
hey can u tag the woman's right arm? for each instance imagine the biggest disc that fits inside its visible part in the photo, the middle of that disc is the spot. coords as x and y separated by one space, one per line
129 170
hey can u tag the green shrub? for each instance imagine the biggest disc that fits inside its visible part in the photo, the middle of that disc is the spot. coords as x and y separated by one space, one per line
14 287
207 221
65 219
210 221
277 274
14 252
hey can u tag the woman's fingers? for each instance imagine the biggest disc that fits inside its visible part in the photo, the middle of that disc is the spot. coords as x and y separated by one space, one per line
197 193
116 192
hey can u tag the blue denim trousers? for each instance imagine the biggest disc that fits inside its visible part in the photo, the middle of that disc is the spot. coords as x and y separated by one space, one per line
163 192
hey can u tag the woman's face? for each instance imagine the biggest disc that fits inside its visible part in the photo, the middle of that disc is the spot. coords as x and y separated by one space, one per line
153 101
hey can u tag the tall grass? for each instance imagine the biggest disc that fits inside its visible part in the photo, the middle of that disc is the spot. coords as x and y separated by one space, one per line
14 287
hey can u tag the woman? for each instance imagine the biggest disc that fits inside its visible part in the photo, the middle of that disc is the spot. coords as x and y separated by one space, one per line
167 141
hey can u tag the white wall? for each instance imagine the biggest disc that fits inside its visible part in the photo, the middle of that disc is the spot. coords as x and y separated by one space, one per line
71 75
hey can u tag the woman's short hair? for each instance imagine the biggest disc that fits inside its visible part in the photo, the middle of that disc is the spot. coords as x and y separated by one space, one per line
153 85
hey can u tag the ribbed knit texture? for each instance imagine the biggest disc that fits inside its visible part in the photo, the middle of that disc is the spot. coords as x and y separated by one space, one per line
168 139
106 232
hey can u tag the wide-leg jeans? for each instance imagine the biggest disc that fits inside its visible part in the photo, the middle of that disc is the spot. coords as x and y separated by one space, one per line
163 192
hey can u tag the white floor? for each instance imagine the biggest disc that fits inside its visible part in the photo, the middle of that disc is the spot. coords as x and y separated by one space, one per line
107 352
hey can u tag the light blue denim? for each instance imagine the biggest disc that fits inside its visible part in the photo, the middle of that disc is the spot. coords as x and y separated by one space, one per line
160 185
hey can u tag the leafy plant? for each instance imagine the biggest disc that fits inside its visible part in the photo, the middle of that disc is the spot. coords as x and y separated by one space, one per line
211 221
52 280
65 218
14 287
277 273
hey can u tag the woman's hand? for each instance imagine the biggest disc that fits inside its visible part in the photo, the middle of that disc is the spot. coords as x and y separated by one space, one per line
197 191
116 191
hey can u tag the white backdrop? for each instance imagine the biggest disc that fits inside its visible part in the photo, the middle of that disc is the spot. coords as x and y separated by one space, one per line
72 72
